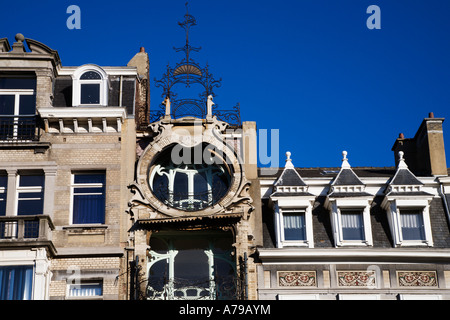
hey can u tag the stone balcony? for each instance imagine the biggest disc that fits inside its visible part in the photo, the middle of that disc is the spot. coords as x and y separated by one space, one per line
26 231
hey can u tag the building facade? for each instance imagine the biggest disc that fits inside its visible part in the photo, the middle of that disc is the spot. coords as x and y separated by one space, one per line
359 233
103 197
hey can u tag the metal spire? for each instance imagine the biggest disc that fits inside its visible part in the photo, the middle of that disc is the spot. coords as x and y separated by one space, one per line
189 21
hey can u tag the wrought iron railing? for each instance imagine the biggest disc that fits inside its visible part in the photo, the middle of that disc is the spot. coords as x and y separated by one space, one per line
232 117
19 128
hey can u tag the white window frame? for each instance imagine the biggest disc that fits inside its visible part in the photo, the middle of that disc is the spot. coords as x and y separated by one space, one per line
77 82
79 283
34 189
74 185
17 93
362 206
291 207
394 207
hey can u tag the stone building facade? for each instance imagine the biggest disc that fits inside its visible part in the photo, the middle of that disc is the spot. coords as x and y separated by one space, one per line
66 137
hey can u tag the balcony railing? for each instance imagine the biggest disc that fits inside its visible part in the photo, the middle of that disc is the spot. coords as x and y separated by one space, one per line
23 228
18 128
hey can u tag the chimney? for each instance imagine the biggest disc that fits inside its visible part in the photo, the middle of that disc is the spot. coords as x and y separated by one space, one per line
142 102
425 153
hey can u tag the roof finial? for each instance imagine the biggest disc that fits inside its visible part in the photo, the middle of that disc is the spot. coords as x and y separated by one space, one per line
345 163
288 160
401 161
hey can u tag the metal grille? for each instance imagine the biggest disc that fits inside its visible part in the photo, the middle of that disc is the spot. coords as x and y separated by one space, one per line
18 128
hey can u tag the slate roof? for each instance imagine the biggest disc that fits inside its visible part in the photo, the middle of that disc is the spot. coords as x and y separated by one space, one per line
346 177
405 177
290 177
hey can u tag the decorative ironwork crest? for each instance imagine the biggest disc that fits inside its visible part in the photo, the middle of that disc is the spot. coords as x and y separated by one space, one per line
188 72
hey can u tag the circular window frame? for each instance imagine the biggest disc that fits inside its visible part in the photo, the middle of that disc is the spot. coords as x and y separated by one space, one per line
169 138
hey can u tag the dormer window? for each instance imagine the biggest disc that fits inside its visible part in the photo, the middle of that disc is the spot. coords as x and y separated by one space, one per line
349 206
90 86
292 208
408 208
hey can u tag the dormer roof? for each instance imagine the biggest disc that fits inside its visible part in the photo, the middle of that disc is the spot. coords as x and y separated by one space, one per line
404 182
290 183
347 183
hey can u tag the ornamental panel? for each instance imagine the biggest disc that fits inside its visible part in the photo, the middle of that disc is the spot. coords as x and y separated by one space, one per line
356 278
297 279
417 278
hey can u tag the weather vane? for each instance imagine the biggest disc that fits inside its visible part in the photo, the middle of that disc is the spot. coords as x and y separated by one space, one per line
189 21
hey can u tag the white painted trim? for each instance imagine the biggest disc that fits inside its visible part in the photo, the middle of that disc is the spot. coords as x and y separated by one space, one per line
353 254
82 112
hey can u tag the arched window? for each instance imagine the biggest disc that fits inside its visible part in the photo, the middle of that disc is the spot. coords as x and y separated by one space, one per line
90 86
190 185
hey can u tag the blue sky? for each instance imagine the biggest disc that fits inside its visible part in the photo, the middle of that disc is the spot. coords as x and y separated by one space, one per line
309 68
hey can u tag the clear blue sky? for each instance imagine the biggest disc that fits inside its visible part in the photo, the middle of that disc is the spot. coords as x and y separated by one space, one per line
310 68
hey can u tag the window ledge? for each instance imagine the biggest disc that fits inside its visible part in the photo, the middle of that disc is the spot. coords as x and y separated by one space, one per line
39 147
85 226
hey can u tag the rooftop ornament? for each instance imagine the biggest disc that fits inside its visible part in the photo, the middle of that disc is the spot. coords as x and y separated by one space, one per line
188 72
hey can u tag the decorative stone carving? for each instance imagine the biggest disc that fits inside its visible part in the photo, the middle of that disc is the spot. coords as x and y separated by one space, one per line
297 279
417 278
189 133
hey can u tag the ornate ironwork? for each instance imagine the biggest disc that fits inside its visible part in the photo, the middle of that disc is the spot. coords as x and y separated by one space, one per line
188 72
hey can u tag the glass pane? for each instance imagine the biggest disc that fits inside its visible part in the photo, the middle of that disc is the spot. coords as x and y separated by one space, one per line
86 290
90 75
16 282
201 192
158 277
88 209
90 178
352 226
180 187
412 225
294 226
3 186
7 104
26 206
191 269
17 83
90 93
27 104
89 190
31 181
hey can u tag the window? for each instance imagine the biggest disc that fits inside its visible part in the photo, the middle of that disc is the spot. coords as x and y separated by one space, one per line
30 194
189 186
90 86
352 225
16 282
350 220
86 289
88 196
191 265
294 226
17 108
412 225
409 221
3 188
